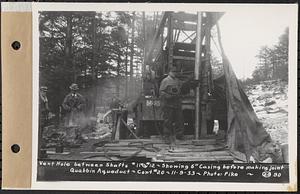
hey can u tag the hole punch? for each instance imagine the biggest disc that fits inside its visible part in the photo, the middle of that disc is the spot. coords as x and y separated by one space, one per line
16 45
15 148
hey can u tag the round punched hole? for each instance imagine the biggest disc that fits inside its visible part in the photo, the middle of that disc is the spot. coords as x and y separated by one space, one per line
15 148
16 45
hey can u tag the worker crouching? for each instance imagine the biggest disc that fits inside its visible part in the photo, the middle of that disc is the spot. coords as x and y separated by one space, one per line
170 90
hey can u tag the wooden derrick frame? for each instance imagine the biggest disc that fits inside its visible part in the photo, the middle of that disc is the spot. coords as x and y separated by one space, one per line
162 59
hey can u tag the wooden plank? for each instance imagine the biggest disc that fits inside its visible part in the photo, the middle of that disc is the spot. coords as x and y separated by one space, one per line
188 146
177 145
170 43
189 137
123 148
184 53
98 158
223 157
185 16
134 140
181 16
96 152
185 46
197 154
155 137
207 149
119 144
194 149
204 142
184 58
220 153
120 149
184 26
167 158
55 153
138 154
183 144
155 141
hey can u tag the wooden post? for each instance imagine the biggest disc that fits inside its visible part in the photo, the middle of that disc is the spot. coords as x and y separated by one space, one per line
126 70
197 75
205 82
131 54
94 63
144 47
170 41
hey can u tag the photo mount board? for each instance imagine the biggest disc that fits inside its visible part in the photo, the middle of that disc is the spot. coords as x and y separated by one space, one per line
16 25
17 95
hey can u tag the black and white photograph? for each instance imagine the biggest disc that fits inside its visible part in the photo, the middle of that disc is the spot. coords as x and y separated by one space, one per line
168 94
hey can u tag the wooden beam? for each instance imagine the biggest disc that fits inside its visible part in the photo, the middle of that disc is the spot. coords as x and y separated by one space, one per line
184 53
182 16
204 142
197 74
170 43
184 26
184 46
157 34
184 58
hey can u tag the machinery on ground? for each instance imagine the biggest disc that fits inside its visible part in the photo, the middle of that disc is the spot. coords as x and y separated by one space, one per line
182 39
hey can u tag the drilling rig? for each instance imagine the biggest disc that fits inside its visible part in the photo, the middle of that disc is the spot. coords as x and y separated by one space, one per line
185 39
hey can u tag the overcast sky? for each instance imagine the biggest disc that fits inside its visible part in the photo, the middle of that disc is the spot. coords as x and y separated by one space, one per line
243 33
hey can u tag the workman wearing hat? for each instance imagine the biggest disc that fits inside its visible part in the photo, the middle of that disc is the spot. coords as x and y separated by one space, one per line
44 113
43 103
74 104
170 91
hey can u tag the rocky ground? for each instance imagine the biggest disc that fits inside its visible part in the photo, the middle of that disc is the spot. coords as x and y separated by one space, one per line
270 102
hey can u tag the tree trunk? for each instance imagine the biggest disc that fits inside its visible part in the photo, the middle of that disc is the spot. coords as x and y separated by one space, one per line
132 53
68 47
94 64
118 74
126 71
144 54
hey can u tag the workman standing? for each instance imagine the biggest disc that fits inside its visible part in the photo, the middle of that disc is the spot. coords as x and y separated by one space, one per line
74 104
170 91
44 113
43 106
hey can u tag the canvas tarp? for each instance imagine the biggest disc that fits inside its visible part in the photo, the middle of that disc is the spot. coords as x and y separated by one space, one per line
245 132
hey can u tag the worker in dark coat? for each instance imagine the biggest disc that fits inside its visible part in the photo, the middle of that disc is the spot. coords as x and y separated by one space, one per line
170 91
44 112
43 106
74 104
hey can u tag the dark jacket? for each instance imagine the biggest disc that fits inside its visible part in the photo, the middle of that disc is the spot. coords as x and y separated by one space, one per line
169 92
74 101
43 106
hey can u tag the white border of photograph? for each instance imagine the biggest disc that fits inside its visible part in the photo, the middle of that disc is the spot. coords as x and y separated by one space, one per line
290 9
